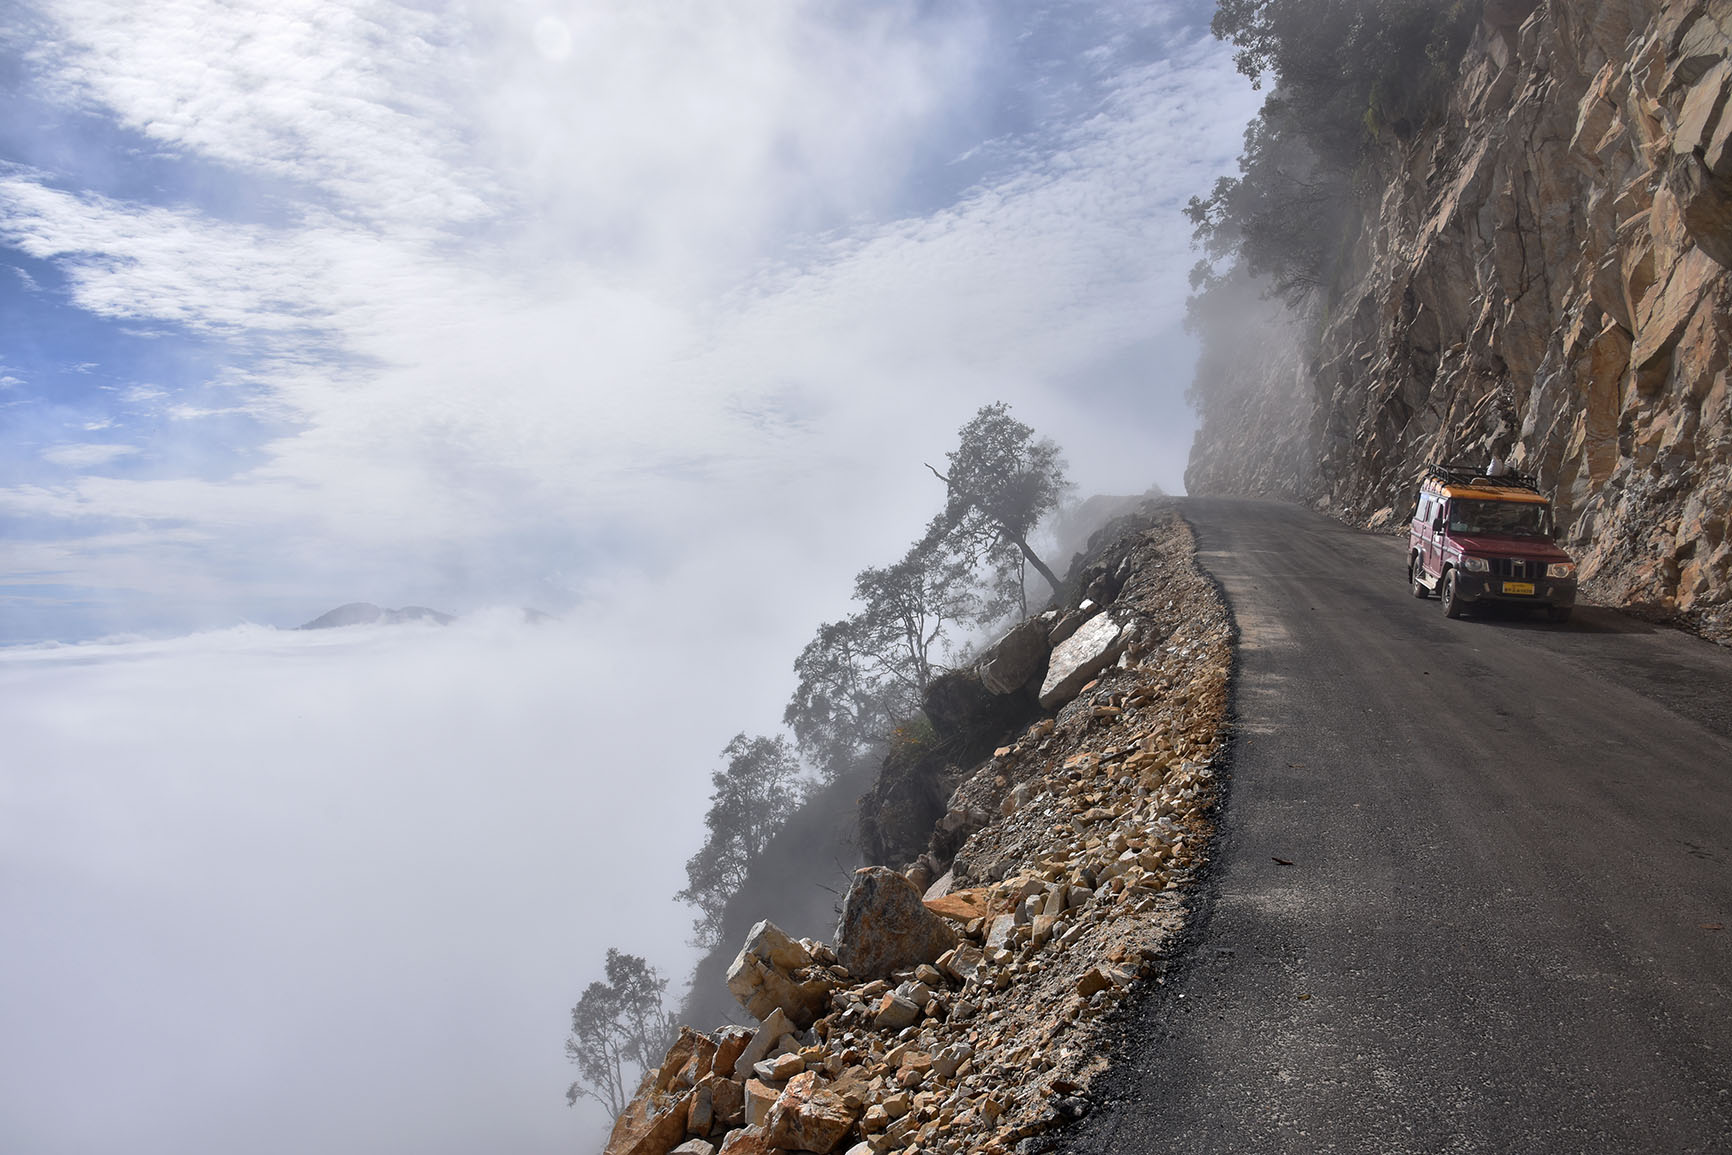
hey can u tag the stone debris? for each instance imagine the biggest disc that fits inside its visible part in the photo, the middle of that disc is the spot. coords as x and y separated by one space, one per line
986 1032
776 1031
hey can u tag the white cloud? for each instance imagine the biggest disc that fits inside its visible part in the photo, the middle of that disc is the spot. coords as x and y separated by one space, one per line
489 402
335 95
87 455
345 885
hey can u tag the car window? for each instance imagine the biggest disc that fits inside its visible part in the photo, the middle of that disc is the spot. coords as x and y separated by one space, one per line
1519 519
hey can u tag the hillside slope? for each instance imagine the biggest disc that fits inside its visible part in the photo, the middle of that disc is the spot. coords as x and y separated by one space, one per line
1543 277
1068 858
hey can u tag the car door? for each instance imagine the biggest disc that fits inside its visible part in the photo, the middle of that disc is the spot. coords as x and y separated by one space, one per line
1433 552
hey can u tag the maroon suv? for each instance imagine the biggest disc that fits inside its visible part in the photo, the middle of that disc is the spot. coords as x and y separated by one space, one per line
1478 537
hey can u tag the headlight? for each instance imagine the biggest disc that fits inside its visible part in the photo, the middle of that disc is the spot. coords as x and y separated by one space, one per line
1561 569
1475 564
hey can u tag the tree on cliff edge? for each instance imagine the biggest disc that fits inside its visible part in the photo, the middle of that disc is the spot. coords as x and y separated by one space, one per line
1002 481
748 804
619 1029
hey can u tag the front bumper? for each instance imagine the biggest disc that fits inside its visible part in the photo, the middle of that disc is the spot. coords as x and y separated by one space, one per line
1480 587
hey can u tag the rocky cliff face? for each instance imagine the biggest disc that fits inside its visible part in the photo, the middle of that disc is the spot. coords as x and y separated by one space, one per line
1545 277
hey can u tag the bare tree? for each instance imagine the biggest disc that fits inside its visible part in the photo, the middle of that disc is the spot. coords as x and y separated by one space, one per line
619 1030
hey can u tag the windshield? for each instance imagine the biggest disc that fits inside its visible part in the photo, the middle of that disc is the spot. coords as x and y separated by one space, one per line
1514 518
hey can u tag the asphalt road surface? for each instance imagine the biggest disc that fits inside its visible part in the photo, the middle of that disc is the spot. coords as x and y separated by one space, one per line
1506 925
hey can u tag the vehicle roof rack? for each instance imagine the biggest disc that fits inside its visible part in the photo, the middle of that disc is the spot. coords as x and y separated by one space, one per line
1459 474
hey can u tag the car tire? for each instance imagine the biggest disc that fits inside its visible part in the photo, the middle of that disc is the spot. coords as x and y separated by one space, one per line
1413 571
1453 607
1559 614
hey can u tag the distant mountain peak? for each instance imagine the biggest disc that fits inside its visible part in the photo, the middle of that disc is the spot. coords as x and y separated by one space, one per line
367 614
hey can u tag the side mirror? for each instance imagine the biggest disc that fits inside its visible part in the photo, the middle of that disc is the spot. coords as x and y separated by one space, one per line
1437 523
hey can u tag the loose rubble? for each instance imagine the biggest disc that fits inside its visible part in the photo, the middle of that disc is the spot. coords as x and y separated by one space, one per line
975 1019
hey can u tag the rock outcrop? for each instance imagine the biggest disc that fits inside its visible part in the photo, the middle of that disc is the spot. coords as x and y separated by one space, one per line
1545 278
967 721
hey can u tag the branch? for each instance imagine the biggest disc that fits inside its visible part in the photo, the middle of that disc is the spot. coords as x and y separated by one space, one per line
938 475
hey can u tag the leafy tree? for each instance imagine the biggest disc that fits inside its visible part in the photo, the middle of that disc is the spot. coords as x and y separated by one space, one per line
747 805
1282 218
1333 58
910 608
619 1030
1344 72
859 678
839 705
1002 481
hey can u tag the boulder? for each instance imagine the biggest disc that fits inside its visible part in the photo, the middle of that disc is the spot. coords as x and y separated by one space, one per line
728 1102
777 1027
963 963
688 1060
652 1124
1016 658
747 1141
895 1012
760 1097
962 905
808 1117
885 926
659 1115
1070 622
773 972
731 1042
1093 648
701 1111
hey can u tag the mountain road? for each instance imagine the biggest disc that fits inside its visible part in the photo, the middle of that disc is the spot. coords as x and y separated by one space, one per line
1473 887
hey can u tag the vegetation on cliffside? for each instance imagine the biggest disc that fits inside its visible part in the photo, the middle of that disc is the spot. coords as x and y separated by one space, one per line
1341 73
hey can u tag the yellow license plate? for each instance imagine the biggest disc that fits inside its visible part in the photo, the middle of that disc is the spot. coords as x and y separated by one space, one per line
1519 588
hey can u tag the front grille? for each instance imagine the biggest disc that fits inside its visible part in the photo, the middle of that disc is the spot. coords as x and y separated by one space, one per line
1517 569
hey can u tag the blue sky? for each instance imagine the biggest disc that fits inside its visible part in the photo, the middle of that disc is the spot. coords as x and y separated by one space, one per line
646 315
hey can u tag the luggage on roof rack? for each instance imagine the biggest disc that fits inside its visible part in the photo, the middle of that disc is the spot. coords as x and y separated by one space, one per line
1459 474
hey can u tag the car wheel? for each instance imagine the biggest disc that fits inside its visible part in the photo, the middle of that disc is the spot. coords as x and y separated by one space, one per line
1558 614
1452 603
1413 572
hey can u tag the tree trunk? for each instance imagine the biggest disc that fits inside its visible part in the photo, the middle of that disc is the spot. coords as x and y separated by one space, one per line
1037 564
